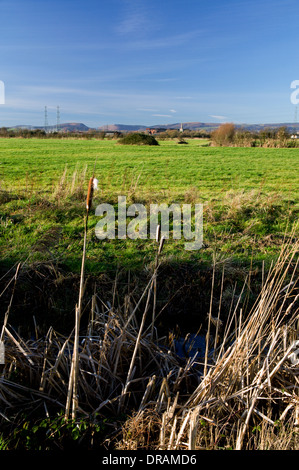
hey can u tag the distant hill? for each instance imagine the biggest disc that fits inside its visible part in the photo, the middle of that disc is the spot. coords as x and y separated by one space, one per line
73 127
193 126
290 126
207 126
66 127
141 128
122 127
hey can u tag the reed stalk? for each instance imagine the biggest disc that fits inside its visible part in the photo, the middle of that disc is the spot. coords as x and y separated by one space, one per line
73 380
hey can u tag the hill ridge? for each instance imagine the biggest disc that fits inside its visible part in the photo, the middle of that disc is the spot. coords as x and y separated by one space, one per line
192 125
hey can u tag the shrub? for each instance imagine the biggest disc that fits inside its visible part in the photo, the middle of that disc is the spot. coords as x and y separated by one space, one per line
181 140
138 139
224 135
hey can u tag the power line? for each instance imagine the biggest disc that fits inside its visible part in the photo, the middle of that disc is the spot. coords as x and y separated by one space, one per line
46 118
58 119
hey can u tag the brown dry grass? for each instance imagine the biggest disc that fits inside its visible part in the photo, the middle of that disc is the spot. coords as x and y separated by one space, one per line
243 395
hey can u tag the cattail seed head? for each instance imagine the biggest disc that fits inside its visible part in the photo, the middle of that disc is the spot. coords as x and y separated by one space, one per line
89 194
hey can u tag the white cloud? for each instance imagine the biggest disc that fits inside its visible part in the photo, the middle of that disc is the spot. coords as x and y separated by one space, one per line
163 42
218 117
149 110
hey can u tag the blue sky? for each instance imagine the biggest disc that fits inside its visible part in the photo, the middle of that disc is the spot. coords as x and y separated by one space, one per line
147 61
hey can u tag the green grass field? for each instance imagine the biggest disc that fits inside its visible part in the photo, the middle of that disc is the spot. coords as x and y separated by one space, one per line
169 169
250 198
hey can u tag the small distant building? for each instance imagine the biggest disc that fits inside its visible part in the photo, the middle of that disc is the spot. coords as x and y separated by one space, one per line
151 131
156 130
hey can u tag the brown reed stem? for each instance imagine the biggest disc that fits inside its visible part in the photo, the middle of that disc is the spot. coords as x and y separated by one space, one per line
73 379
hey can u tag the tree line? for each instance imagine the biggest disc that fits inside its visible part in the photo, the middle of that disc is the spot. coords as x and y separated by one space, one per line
42 134
228 135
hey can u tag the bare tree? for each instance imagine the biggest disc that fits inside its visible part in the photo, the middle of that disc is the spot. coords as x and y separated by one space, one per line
224 135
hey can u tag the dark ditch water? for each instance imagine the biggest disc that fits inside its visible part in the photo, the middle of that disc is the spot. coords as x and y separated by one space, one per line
194 346
46 296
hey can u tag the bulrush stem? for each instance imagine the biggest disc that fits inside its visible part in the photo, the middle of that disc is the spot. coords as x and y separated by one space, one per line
73 379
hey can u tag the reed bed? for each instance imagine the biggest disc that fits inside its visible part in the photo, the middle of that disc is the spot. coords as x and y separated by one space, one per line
248 383
253 379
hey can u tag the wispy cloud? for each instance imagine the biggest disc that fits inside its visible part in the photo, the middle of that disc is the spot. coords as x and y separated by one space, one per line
149 110
135 18
161 42
162 115
220 118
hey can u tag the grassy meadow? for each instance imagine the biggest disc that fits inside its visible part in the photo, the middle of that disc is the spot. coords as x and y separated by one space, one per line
250 198
93 361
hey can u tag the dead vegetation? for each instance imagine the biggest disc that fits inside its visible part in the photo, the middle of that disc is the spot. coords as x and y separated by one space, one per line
242 393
